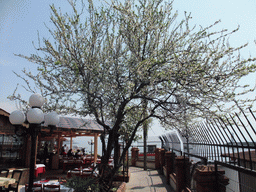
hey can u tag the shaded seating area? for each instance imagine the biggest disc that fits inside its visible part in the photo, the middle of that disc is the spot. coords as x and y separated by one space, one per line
68 127
17 144
83 161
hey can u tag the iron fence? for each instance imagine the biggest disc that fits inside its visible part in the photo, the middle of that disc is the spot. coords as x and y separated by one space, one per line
125 162
228 142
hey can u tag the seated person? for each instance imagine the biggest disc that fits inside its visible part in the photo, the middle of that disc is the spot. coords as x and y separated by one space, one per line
83 152
70 153
63 150
77 153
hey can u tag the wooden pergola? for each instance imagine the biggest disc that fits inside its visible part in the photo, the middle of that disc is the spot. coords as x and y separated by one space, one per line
70 127
74 127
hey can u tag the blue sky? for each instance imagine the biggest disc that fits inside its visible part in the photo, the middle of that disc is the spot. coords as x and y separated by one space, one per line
21 19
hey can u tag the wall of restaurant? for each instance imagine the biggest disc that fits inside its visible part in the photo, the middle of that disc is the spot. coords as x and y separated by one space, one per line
6 127
11 151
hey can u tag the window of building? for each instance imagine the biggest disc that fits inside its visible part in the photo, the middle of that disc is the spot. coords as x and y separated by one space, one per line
10 150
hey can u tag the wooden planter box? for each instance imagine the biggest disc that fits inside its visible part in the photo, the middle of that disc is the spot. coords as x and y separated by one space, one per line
120 177
122 187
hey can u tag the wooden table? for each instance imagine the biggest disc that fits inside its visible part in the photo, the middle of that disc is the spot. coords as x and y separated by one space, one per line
73 163
63 188
5 182
39 169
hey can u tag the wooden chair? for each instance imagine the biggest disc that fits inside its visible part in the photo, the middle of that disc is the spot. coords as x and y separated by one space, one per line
52 178
16 174
72 173
86 174
50 187
37 187
4 172
63 180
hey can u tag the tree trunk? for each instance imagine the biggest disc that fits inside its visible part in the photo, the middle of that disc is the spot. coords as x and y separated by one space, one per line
145 144
145 133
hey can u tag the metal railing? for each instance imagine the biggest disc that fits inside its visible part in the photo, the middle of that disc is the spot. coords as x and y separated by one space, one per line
228 142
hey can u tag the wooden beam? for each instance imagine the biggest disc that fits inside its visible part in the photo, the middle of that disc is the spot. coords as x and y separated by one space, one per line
4 113
71 133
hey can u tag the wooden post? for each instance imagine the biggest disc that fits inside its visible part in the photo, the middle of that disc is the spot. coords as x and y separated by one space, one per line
157 158
205 178
59 140
71 138
28 151
135 153
182 166
95 148
169 159
162 161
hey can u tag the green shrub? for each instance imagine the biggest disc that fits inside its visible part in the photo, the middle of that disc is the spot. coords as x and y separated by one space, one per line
83 184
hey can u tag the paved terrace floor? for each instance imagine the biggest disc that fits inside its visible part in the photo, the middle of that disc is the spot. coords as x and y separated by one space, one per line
140 180
147 181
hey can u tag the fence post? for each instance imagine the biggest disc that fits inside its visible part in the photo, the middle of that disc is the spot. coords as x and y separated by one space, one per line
162 160
205 177
157 158
135 155
182 171
169 164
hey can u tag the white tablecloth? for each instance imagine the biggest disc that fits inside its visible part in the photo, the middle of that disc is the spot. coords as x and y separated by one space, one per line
63 188
39 165
39 169
6 181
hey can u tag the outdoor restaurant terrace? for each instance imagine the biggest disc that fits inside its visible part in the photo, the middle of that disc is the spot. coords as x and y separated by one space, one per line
15 145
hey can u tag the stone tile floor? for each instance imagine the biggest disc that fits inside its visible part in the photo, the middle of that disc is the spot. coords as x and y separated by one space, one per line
140 180
149 181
